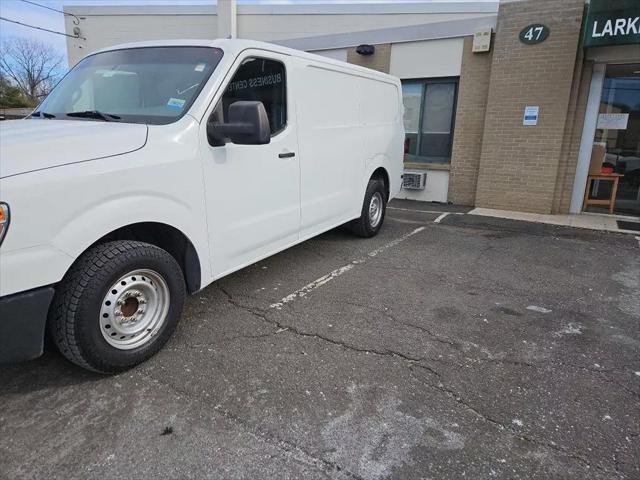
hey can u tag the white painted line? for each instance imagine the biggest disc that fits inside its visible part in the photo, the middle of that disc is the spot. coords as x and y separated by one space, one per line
535 308
439 219
318 282
422 211
393 243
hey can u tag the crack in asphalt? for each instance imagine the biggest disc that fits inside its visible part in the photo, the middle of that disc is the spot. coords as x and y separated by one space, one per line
458 346
300 455
502 427
395 319
415 362
263 314
475 277
633 393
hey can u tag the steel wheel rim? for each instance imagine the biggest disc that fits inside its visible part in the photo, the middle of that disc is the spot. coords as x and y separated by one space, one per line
134 309
375 209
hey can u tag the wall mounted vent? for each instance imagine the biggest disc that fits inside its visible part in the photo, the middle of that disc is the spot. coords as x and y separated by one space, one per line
414 180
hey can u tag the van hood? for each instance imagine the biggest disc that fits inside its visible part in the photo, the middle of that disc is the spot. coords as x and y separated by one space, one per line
34 144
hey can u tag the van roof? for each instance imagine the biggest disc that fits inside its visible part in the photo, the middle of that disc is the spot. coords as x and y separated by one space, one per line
235 46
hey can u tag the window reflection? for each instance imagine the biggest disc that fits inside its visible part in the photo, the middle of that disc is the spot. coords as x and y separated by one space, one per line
428 119
617 139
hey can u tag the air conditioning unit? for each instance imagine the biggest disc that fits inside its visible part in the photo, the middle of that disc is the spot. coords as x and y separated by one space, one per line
414 180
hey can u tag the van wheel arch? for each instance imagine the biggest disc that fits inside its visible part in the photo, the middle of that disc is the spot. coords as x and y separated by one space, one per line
170 239
373 207
383 175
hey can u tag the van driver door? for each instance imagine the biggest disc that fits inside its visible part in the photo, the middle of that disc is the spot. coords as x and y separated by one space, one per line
253 191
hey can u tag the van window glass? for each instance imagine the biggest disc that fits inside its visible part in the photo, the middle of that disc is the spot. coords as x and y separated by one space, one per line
429 112
258 79
154 85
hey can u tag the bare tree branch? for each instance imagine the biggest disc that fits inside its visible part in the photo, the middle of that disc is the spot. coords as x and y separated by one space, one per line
31 64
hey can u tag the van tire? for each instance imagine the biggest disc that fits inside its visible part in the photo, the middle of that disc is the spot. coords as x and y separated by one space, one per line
76 322
367 226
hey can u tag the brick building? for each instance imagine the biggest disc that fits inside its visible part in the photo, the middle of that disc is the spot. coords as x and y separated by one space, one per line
508 105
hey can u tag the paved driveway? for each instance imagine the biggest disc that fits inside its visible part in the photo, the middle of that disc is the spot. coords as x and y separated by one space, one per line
468 348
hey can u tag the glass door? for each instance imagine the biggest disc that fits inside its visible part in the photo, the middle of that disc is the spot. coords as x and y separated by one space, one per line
616 148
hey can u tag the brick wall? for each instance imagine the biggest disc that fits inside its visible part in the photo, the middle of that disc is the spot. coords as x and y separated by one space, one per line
469 124
519 165
380 60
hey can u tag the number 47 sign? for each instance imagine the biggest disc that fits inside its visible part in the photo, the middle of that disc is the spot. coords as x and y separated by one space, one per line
535 33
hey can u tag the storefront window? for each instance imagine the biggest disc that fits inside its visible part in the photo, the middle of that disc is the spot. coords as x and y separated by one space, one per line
616 148
428 119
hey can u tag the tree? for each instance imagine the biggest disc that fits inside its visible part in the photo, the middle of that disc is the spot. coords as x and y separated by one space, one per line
31 65
10 95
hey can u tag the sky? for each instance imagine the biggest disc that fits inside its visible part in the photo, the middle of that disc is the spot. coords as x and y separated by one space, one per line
34 15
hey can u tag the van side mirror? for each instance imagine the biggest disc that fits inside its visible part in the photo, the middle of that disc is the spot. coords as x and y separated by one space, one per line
247 124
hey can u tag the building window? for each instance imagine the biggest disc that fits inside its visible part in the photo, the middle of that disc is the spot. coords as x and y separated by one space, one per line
429 113
258 79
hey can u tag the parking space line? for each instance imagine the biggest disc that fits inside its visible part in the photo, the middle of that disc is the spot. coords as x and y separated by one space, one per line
422 211
413 210
437 220
318 282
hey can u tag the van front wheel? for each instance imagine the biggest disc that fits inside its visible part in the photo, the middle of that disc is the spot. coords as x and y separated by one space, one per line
373 210
117 306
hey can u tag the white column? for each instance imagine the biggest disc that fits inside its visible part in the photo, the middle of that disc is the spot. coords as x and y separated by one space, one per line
227 25
588 134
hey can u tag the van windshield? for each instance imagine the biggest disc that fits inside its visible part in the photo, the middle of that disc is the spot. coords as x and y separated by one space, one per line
154 85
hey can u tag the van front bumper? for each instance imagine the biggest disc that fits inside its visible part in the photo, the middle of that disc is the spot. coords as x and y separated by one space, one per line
22 322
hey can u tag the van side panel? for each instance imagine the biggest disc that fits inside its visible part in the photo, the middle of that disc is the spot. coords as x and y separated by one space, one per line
383 132
350 124
331 162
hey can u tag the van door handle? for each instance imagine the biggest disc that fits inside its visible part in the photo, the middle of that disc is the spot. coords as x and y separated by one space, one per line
286 155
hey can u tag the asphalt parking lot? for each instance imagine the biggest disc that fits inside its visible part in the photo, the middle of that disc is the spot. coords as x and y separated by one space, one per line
467 348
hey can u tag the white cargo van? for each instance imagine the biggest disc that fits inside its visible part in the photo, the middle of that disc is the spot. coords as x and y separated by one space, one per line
153 169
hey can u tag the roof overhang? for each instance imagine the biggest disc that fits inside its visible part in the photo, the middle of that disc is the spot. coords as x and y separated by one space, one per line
411 33
321 8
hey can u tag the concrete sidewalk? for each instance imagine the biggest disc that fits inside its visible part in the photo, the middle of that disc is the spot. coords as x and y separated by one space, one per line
592 221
